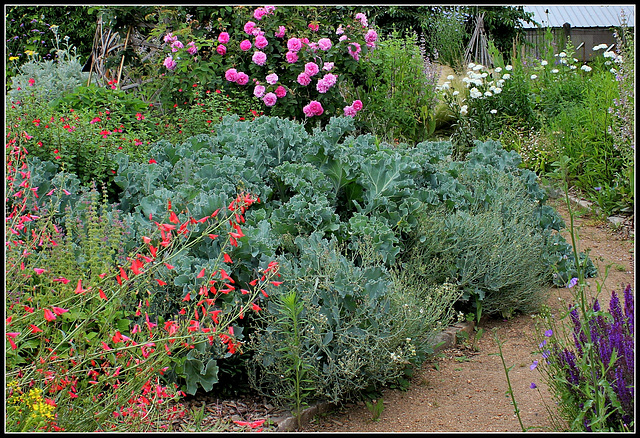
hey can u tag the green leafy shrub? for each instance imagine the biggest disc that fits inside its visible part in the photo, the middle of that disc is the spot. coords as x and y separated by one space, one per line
398 91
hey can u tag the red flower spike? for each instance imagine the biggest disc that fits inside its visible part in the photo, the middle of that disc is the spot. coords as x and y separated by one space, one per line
135 266
153 250
35 329
59 310
225 276
49 315
213 236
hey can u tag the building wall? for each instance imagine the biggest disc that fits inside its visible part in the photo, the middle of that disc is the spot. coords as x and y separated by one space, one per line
534 42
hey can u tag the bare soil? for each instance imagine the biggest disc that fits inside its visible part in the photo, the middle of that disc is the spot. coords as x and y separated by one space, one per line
461 389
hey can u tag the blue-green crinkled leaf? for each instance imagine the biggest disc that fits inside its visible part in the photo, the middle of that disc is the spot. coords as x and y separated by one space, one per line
196 373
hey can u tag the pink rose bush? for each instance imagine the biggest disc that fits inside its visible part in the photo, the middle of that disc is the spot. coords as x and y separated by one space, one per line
291 68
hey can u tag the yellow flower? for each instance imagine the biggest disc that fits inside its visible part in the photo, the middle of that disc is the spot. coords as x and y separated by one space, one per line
30 52
13 58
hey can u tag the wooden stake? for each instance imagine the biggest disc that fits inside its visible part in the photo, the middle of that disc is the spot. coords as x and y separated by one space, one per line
122 61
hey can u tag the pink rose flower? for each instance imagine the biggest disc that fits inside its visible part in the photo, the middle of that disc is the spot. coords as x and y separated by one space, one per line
259 13
316 108
322 86
371 36
176 45
245 45
259 58
221 49
261 42
314 27
248 28
354 52
281 92
343 37
272 79
231 75
294 44
304 79
349 111
281 31
340 30
357 105
269 99
170 38
363 19
242 78
192 48
311 68
259 90
324 44
330 79
170 63
327 66
223 38
292 57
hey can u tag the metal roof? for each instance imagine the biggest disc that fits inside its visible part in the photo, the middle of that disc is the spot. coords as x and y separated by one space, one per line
580 15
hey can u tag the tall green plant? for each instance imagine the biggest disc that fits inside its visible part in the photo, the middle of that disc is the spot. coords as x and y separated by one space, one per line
398 91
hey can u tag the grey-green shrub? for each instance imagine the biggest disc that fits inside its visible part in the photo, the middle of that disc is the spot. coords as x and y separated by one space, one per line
494 250
52 78
363 324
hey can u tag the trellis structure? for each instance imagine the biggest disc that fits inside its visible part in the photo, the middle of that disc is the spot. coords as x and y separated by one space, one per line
478 50
108 43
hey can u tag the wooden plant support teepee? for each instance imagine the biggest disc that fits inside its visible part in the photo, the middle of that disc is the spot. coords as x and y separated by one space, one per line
108 43
477 50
